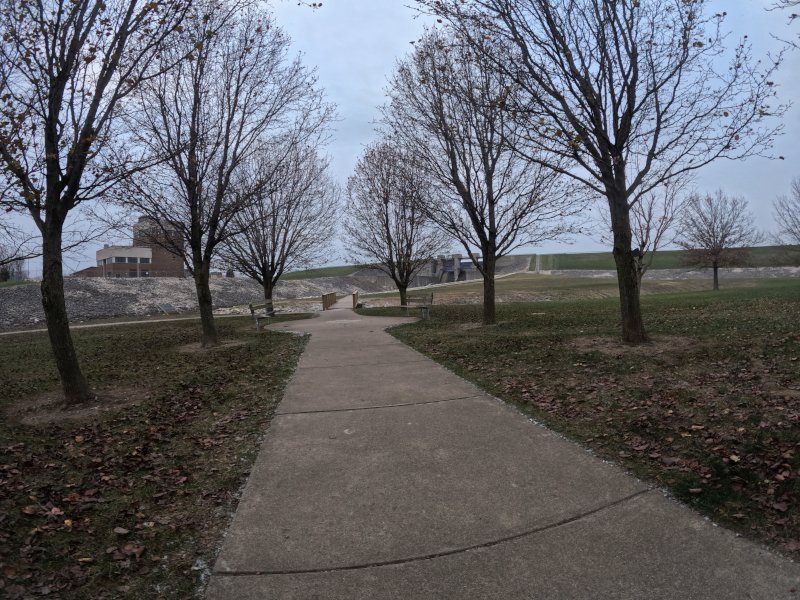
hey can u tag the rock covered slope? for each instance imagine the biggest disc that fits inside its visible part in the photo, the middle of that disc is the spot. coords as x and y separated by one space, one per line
96 298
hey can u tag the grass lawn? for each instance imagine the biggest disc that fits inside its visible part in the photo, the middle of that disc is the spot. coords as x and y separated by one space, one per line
709 410
5 284
342 271
765 256
522 287
131 502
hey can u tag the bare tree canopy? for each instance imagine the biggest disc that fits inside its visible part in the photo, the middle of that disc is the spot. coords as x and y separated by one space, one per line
447 107
787 215
207 118
715 230
64 68
385 221
631 92
291 220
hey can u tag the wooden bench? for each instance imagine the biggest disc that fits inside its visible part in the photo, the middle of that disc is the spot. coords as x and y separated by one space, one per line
168 309
424 302
260 312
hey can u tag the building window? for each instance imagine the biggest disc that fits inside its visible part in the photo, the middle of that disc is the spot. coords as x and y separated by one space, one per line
144 261
132 259
119 259
100 263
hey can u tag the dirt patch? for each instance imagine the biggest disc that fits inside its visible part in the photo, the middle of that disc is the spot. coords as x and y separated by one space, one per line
50 408
196 347
613 346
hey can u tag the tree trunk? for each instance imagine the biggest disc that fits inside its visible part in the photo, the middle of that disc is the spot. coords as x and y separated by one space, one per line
403 293
489 263
76 389
715 265
627 273
204 301
268 289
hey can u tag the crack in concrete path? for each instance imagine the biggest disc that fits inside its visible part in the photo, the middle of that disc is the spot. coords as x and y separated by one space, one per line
376 407
370 364
434 555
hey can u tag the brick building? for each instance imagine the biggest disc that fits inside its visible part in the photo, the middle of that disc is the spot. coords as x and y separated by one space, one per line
154 253
163 242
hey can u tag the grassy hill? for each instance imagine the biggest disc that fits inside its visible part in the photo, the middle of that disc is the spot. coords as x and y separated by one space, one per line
340 271
762 256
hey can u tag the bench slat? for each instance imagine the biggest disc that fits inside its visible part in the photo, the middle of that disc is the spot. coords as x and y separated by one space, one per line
268 313
423 302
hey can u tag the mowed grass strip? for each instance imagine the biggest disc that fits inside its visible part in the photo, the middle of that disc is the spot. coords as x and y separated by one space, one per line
710 410
521 287
761 256
132 503
339 271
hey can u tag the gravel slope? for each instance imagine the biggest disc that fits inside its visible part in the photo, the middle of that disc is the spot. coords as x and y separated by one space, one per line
95 298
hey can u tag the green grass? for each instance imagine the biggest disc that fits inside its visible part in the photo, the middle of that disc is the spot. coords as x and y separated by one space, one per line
763 256
341 271
166 470
533 286
7 284
710 411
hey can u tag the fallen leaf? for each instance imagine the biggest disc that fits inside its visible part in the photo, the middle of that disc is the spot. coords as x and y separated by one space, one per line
121 530
133 549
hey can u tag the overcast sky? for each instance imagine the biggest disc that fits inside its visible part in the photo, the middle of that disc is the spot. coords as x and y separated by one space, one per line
354 44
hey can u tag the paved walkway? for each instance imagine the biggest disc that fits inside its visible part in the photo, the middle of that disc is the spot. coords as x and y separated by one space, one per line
383 475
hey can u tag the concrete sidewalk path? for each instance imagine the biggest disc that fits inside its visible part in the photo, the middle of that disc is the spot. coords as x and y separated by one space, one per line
384 475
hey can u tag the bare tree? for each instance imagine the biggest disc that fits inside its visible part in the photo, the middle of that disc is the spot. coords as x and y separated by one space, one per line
385 221
653 221
291 221
788 5
631 93
447 106
64 68
16 244
715 231
787 215
11 267
210 116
